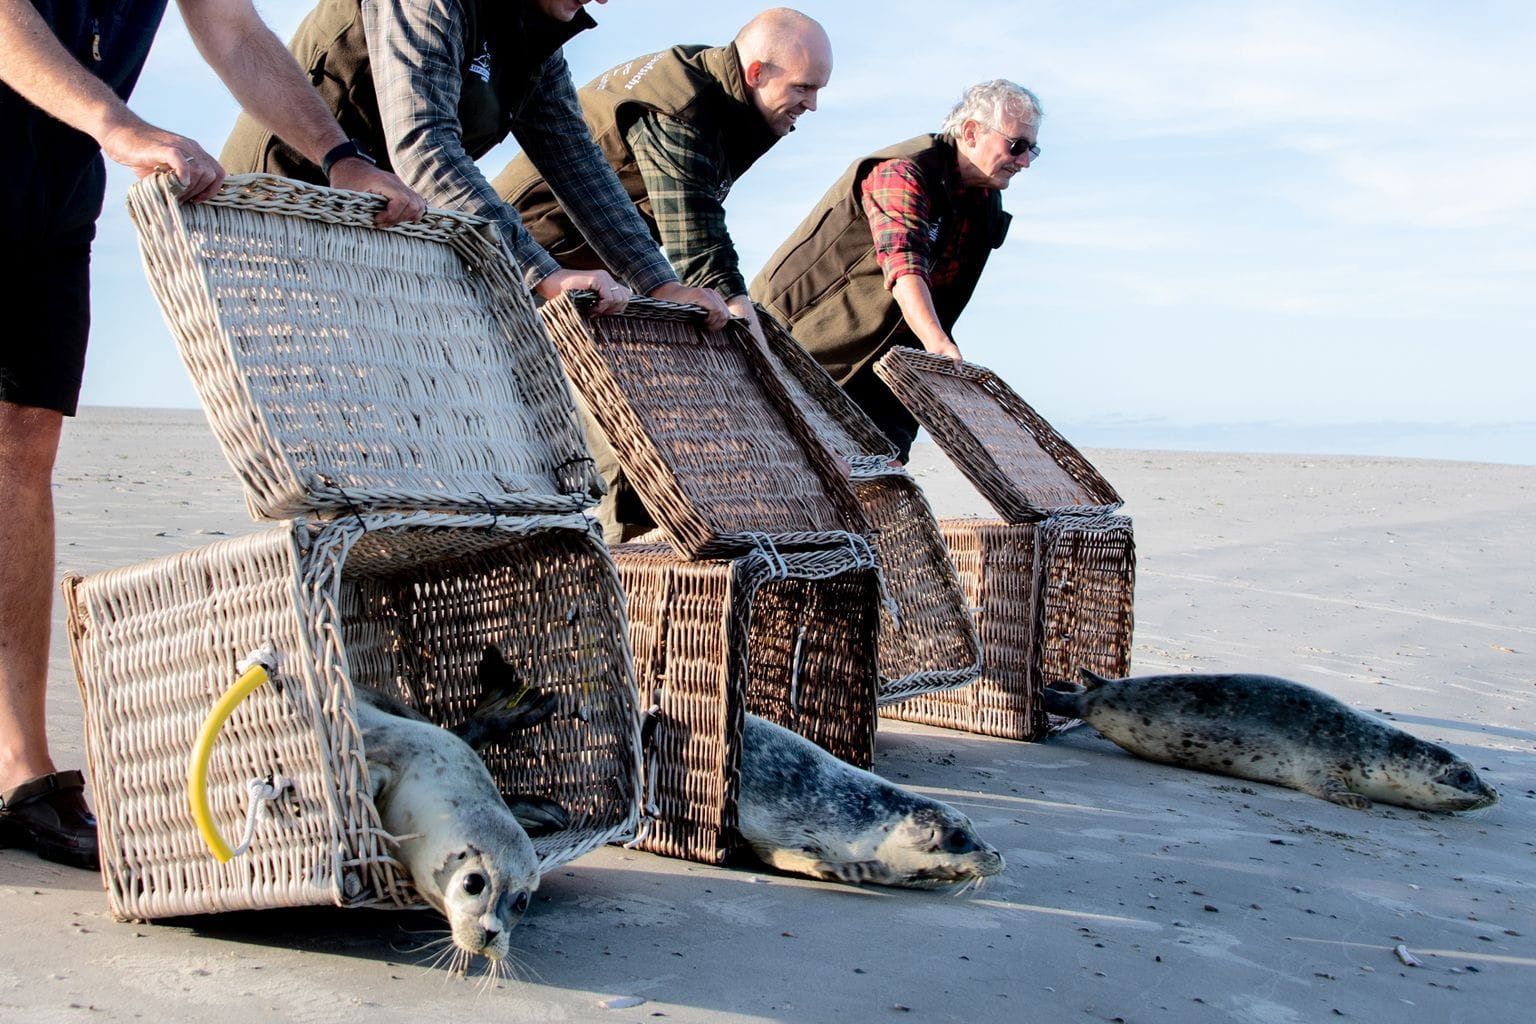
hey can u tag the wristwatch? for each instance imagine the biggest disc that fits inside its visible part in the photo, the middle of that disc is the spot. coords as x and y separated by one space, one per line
350 148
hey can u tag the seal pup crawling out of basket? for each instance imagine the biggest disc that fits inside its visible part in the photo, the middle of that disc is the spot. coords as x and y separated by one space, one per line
1272 730
806 812
466 848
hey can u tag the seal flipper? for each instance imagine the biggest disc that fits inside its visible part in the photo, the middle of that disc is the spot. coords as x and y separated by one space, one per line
507 704
855 872
1333 789
1091 679
538 815
1065 699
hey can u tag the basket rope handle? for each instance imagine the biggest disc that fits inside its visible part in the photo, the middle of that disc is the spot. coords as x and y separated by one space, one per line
257 667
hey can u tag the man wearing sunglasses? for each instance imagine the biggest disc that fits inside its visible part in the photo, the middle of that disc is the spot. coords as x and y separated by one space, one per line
892 253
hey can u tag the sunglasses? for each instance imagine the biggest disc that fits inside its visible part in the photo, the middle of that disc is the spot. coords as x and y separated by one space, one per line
1018 147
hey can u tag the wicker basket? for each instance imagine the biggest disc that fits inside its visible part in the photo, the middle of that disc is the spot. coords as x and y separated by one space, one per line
790 638
399 602
1014 457
832 415
928 638
1050 597
707 435
347 367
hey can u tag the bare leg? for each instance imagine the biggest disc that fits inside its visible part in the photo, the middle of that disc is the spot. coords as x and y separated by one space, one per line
29 442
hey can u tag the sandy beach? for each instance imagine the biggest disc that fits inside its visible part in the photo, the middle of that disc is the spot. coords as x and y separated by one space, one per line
1134 892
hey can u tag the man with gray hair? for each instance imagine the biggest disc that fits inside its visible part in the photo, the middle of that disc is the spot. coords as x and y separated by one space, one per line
679 127
892 253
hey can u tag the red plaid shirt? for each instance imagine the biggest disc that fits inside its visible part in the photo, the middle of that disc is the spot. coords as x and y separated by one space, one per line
907 240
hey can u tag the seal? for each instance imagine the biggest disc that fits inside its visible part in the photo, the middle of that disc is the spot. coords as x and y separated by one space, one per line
1272 730
806 812
467 851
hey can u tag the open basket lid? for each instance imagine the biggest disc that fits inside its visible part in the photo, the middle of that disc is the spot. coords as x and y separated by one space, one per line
1015 458
346 367
836 418
707 434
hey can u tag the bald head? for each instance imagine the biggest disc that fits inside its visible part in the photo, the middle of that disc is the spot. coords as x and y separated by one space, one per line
786 59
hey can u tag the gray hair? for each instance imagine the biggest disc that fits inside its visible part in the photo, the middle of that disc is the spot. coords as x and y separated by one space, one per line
988 103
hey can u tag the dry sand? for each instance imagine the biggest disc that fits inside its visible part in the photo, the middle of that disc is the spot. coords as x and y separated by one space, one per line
1134 892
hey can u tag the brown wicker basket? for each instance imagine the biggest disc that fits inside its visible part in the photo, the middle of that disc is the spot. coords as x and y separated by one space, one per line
791 638
928 639
1050 598
345 366
832 415
1014 457
399 602
707 435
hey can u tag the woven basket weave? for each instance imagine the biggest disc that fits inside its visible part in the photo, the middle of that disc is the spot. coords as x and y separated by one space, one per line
400 602
707 435
790 638
832 415
347 367
928 639
1014 457
1050 597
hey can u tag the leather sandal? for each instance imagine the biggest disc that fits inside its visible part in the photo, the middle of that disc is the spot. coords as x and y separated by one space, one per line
48 814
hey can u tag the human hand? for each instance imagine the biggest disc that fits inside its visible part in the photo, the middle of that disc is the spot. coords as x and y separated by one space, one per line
946 348
611 296
741 306
715 311
402 203
145 149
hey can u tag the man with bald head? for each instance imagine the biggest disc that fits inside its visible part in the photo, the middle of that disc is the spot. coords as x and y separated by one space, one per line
679 127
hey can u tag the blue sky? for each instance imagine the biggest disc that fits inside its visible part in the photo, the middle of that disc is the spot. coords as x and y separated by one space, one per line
1296 214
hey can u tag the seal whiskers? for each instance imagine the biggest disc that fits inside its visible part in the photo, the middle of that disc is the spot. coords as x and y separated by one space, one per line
1272 730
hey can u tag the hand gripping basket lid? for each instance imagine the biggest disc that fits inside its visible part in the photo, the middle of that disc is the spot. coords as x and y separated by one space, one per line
836 418
1014 457
345 366
708 436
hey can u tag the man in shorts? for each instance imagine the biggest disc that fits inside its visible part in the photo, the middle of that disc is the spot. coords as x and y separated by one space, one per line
66 70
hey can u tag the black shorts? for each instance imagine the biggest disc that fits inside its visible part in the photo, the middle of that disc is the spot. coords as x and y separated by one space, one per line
46 298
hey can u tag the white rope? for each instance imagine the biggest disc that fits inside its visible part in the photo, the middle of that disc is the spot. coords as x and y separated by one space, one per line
261 793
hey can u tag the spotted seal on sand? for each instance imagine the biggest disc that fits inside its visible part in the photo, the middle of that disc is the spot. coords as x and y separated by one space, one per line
1272 730
466 848
806 812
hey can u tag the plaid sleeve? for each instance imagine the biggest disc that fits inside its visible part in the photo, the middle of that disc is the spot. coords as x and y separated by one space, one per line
416 48
560 146
897 209
686 187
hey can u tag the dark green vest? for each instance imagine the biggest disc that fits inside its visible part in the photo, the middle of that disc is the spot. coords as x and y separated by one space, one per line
825 284
697 84
506 43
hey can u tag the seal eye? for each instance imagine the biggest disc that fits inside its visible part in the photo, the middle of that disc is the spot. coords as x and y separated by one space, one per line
474 884
520 903
956 840
1462 777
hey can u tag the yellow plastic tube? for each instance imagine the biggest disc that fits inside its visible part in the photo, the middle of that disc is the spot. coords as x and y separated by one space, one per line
202 753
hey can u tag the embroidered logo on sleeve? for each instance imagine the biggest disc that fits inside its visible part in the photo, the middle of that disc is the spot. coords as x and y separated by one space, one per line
480 67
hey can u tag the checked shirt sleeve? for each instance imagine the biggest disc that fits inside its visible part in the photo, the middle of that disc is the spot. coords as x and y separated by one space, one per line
898 209
416 48
685 184
560 146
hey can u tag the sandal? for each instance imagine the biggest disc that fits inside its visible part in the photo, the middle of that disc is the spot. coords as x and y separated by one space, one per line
49 815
